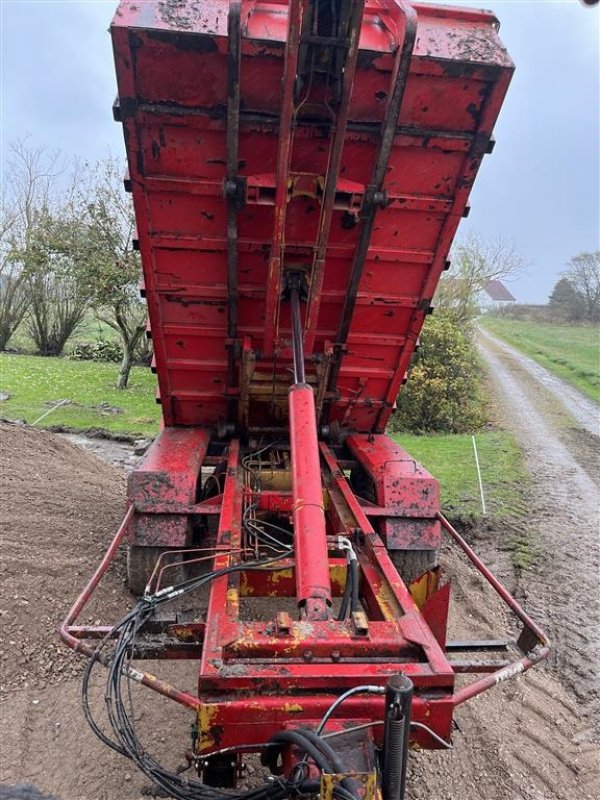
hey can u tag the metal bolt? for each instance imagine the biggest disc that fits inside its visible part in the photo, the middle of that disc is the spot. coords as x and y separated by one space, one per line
308 656
335 655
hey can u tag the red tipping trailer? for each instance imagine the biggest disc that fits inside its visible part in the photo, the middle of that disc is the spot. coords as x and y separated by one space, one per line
358 178
298 172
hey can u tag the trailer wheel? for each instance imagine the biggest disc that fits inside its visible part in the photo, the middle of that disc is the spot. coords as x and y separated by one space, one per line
141 561
363 485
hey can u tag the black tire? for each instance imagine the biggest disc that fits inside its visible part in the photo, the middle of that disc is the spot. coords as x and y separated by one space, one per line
411 564
141 561
209 527
363 485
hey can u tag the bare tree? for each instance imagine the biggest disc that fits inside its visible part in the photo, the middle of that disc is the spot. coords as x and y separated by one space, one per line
58 244
14 299
583 272
113 273
29 183
31 180
475 263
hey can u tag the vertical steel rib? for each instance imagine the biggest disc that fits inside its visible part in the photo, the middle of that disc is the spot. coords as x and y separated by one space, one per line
234 33
387 133
284 155
333 169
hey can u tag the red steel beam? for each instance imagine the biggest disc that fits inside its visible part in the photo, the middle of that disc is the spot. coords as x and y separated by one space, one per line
80 646
539 653
284 156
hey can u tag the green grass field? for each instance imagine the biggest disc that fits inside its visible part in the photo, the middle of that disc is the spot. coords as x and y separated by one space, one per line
571 352
451 459
35 384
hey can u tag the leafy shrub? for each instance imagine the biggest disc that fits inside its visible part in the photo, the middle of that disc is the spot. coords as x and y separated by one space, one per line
444 391
97 351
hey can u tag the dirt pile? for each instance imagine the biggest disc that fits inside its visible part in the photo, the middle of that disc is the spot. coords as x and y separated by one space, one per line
59 505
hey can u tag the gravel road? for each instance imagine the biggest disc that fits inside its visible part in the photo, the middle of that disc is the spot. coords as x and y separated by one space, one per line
583 410
558 430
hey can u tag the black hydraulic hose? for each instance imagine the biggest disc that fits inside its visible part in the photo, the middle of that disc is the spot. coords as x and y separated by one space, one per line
334 758
354 601
343 613
316 748
295 737
299 373
324 747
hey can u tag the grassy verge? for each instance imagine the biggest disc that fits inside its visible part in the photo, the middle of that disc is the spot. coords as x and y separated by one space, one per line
451 459
571 352
36 384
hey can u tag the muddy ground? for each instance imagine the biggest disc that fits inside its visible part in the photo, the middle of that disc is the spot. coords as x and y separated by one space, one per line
531 739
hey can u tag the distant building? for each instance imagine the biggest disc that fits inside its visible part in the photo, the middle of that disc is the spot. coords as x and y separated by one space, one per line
495 295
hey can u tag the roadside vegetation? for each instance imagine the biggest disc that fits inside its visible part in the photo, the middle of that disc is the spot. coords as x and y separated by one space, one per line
67 255
445 391
572 352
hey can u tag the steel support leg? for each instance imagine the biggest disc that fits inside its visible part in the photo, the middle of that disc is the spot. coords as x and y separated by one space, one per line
398 699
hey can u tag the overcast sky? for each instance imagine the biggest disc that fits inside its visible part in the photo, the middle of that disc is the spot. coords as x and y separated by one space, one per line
539 188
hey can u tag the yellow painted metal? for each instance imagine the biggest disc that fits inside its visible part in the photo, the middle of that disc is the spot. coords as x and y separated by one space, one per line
423 587
207 715
368 786
337 575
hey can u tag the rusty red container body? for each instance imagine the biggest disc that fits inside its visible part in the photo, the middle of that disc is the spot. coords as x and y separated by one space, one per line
172 69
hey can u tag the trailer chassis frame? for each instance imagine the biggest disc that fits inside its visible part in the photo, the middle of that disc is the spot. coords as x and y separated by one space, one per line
246 693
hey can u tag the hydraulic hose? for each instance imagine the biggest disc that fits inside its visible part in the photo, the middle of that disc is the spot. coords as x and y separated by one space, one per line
271 754
334 758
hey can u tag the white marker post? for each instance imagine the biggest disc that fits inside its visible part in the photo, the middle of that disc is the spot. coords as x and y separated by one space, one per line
58 405
479 477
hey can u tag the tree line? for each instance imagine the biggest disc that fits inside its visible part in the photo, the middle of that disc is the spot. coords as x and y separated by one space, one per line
66 250
576 296
446 391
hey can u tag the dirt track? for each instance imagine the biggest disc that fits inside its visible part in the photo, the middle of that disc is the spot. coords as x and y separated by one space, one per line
564 526
531 739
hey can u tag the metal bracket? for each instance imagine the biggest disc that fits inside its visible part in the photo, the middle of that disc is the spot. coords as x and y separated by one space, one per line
366 784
